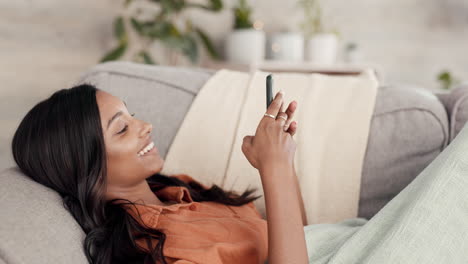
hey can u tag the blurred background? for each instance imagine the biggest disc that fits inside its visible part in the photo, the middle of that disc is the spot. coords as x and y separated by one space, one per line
46 44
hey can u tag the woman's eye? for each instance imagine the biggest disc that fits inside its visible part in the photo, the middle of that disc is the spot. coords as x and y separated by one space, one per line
125 127
123 130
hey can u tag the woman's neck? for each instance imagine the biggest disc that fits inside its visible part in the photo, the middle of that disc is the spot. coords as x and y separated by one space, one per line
140 193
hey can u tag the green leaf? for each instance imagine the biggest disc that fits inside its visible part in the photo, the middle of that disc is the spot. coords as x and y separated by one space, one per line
146 57
207 43
115 53
312 22
443 76
171 6
214 5
127 2
136 25
242 15
188 26
446 79
158 29
119 29
174 31
190 48
185 44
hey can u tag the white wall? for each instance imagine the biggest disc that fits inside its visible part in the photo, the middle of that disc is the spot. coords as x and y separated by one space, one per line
46 44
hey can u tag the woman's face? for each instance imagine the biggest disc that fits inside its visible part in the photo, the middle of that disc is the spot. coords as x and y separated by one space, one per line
124 137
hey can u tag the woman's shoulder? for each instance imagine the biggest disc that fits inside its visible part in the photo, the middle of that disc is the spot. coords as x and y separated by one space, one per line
248 207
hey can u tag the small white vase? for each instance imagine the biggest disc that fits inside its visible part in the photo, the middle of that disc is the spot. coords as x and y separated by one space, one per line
286 46
245 46
352 56
322 48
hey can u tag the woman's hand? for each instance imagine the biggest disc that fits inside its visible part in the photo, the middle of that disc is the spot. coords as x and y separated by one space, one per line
271 143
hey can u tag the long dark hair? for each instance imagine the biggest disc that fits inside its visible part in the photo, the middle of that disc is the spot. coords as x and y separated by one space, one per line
59 144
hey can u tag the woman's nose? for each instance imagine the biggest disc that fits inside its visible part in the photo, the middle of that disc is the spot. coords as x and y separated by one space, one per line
147 128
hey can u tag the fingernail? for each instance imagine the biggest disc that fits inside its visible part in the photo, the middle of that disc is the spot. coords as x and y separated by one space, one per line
282 92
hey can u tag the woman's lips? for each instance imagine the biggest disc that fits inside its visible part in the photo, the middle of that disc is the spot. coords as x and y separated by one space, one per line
153 150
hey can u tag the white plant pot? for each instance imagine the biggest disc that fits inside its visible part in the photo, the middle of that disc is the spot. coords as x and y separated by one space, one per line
353 56
245 46
286 46
322 48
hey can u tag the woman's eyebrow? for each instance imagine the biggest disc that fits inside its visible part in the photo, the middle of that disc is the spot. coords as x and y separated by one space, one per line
119 113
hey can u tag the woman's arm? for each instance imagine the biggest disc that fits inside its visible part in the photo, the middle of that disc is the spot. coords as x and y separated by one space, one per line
286 239
299 198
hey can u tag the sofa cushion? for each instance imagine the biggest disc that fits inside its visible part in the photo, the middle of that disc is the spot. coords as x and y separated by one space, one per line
35 227
409 128
456 104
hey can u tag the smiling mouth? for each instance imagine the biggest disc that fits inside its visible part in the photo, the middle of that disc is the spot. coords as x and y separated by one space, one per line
146 150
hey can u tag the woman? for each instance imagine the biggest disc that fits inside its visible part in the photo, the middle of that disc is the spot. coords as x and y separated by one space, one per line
83 143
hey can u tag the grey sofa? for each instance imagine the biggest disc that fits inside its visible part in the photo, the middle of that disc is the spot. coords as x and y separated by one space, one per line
409 128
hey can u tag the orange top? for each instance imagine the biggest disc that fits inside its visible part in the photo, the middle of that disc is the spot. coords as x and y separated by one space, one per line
205 232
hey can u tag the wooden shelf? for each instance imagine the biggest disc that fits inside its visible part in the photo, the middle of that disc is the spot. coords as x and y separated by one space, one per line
298 67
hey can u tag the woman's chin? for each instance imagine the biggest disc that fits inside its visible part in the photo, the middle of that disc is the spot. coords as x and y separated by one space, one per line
153 162
158 166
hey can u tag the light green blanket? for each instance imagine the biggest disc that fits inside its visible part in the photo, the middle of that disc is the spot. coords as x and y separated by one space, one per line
427 222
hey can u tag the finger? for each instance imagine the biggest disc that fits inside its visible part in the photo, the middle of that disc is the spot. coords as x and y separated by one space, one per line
292 128
290 111
248 140
275 105
282 105
281 120
286 127
281 115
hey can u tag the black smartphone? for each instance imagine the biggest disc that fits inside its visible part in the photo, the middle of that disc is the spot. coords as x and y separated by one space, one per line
269 90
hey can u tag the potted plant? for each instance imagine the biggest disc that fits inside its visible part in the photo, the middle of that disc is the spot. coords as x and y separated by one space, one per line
321 45
447 80
352 54
180 39
245 44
